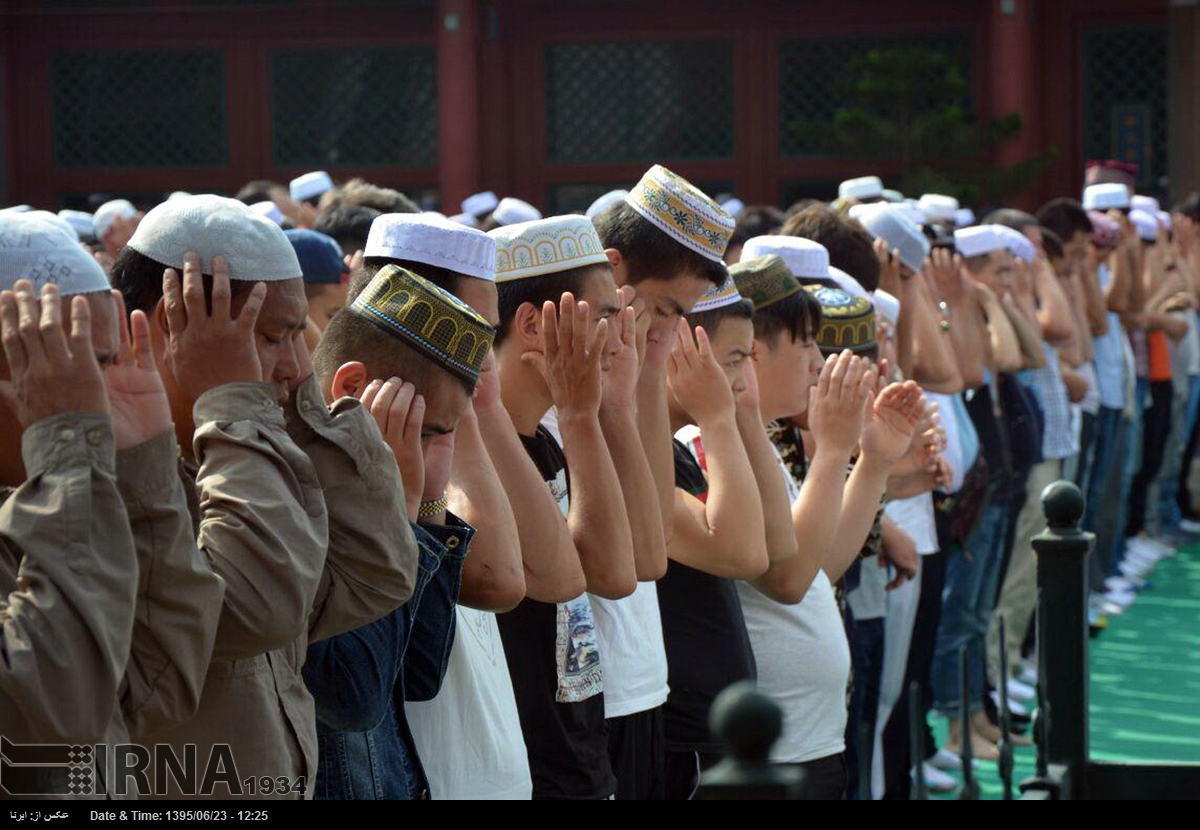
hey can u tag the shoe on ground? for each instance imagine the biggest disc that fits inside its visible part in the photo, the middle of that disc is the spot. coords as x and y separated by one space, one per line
1014 707
1121 598
1028 673
947 759
1130 569
1112 609
1141 553
1190 527
937 781
1019 691
1124 583
1151 546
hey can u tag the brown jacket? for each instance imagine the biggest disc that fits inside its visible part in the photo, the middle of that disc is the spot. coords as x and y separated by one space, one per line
298 565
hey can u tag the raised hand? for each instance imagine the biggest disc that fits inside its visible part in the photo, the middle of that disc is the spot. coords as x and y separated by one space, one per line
889 267
893 422
746 396
140 409
947 275
837 404
621 377
487 388
400 412
209 349
901 552
696 378
570 356
51 372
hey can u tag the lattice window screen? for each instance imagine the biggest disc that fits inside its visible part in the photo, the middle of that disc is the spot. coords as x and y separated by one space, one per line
642 101
357 106
809 72
139 109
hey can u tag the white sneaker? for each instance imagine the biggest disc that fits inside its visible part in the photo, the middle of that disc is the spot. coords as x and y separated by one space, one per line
1121 598
1190 526
1013 706
1153 548
937 781
1028 673
949 760
1133 569
1142 552
1124 583
1112 609
1020 691
1168 549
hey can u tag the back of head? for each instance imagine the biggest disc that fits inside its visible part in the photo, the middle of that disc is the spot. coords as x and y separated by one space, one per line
259 190
849 244
1018 220
1065 217
360 193
348 224
756 220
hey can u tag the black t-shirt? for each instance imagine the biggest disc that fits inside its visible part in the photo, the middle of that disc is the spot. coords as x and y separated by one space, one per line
555 668
704 632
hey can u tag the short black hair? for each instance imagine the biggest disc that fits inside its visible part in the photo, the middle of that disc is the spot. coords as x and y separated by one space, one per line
711 319
351 337
799 315
349 225
649 253
1052 244
139 279
756 220
512 294
851 247
1065 217
445 279
801 204
258 190
1018 220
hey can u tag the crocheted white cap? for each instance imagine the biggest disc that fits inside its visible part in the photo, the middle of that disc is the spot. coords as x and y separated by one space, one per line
862 188
848 284
1107 196
511 211
42 252
1146 224
938 208
1146 203
270 210
81 221
479 204
887 305
434 240
964 218
108 212
1018 244
979 240
310 185
804 258
892 224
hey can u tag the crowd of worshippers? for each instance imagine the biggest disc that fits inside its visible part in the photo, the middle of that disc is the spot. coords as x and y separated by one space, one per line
395 505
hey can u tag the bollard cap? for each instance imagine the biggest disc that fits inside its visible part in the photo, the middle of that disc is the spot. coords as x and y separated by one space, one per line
1063 505
746 721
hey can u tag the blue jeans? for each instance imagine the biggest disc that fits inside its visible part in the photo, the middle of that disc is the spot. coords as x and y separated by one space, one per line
1169 512
1133 463
1103 492
969 596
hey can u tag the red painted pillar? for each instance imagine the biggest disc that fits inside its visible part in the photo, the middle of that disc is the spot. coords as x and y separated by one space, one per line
1011 67
459 149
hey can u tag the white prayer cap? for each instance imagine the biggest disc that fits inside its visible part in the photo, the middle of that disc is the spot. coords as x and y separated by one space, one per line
270 210
254 246
1146 224
310 185
1165 218
107 213
464 219
42 252
1108 196
1146 203
605 202
804 258
891 224
81 221
862 188
512 211
734 207
546 246
16 209
893 196
848 284
54 219
725 294
964 218
911 212
436 213
433 240
979 240
178 194
480 204
1018 244
887 306
938 208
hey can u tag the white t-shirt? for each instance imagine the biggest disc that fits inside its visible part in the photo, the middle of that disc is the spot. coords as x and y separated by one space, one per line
915 517
629 633
803 663
469 736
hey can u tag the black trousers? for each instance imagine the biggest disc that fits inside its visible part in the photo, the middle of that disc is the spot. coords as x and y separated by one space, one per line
1156 424
825 778
683 771
637 751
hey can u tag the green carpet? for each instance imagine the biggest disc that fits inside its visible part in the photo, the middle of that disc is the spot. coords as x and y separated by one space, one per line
1145 678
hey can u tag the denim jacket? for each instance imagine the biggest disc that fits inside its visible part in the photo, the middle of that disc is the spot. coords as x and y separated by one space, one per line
360 679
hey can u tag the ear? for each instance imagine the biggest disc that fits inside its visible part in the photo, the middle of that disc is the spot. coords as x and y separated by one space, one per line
614 257
349 380
527 327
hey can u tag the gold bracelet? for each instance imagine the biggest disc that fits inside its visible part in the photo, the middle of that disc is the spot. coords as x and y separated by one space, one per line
428 509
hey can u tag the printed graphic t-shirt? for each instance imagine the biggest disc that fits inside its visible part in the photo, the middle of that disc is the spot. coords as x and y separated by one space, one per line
554 661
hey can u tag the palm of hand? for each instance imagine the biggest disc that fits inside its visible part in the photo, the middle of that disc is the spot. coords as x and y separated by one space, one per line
620 380
138 402
888 434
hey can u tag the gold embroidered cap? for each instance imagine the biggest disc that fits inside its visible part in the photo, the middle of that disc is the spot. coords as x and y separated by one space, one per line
718 297
678 208
847 322
546 246
434 322
764 280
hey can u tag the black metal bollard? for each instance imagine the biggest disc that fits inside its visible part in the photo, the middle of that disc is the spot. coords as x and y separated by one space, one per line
916 741
969 791
1005 748
1062 551
748 722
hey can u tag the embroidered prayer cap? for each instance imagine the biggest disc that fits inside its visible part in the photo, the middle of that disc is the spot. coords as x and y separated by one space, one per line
319 255
254 246
1018 244
979 240
269 210
679 209
1106 233
734 207
1107 196
546 246
862 188
1146 224
605 202
1146 203
964 218
513 211
718 297
848 284
764 280
938 208
42 252
847 322
479 204
892 224
887 306
805 258
894 197
310 185
424 317
433 240
81 221
107 213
